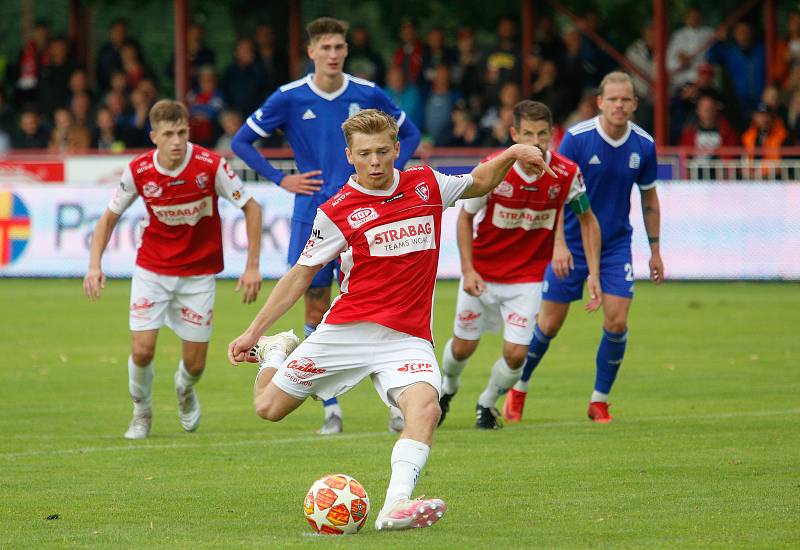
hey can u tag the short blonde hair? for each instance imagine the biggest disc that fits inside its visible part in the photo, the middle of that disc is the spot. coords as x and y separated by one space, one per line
167 110
616 77
370 122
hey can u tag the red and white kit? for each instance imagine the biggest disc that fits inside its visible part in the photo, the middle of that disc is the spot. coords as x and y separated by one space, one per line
380 324
180 247
514 231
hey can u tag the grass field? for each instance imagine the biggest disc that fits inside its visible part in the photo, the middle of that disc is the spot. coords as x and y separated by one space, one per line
704 450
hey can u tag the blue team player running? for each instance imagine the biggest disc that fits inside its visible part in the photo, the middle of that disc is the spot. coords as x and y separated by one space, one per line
310 112
613 153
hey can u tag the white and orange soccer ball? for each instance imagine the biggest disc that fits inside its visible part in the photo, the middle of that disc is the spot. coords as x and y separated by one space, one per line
336 504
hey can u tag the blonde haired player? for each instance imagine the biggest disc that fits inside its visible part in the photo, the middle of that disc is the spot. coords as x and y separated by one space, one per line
180 252
385 225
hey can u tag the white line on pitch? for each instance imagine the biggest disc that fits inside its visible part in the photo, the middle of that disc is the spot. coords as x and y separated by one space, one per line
362 435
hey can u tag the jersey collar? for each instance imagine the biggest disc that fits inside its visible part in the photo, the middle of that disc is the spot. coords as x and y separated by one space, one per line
607 138
325 95
527 178
172 173
377 192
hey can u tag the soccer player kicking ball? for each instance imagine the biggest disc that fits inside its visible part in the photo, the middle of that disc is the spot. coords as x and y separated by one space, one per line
503 264
180 251
310 112
385 225
613 153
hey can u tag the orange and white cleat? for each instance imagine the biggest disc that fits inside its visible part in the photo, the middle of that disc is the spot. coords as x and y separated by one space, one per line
598 412
411 514
515 402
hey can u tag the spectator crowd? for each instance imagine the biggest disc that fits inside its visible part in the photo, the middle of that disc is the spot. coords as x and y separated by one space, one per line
456 92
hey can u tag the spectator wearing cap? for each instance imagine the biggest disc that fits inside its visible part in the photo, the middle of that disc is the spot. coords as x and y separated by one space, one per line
766 131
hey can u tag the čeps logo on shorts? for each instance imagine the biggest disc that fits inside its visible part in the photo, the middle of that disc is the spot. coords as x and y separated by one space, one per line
402 237
415 367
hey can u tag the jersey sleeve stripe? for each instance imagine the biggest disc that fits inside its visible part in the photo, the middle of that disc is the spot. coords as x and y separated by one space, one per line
643 133
401 119
256 128
294 84
646 187
361 81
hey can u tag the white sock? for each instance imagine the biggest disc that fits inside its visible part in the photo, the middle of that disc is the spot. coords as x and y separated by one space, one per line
521 385
273 360
330 410
408 460
601 397
502 378
184 379
451 369
140 386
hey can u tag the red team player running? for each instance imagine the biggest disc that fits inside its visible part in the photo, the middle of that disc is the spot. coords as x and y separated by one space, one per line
503 265
179 254
385 225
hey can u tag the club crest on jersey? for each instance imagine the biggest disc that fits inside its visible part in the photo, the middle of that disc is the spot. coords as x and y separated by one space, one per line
505 189
553 191
201 180
423 191
151 190
634 161
354 108
360 216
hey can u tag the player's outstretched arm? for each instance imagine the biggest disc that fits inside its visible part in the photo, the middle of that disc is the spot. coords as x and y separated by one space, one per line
95 279
651 213
590 235
285 294
250 281
473 282
488 175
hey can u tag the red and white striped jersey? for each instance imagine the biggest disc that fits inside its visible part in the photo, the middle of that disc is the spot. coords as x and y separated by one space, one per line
514 225
183 233
389 245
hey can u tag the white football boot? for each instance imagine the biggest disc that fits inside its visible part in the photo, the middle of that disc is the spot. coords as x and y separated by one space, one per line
139 427
188 406
283 341
411 514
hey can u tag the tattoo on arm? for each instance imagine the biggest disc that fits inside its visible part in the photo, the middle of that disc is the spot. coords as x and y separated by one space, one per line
648 210
652 240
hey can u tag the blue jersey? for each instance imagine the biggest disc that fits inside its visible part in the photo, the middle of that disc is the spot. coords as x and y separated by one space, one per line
312 121
610 168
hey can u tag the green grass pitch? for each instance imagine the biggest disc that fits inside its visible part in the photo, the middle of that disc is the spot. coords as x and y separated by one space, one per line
704 450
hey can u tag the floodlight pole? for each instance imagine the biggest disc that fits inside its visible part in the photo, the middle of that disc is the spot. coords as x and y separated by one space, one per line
181 12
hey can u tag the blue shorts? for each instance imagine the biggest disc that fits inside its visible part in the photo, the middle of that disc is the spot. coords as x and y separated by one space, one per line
616 278
301 231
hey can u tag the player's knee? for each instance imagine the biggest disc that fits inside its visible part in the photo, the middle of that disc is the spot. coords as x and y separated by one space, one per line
616 325
550 325
515 357
267 410
142 354
462 349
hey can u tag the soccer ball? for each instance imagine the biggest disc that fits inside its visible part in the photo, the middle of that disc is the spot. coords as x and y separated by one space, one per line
336 504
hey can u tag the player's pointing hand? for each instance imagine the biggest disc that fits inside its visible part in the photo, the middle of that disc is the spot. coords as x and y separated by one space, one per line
302 184
533 160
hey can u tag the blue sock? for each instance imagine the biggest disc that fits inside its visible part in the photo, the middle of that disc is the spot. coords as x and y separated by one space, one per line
609 359
331 401
536 350
308 330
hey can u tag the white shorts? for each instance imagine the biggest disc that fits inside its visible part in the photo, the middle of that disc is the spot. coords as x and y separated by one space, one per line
515 304
184 304
335 358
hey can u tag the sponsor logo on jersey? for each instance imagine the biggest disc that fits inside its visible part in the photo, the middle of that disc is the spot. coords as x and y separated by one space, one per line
304 367
309 115
554 191
416 367
360 216
416 168
173 183
339 198
397 197
594 160
201 180
634 161
531 188
151 190
560 169
143 167
524 218
353 109
191 316
183 214
402 237
423 191
517 320
505 189
203 156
